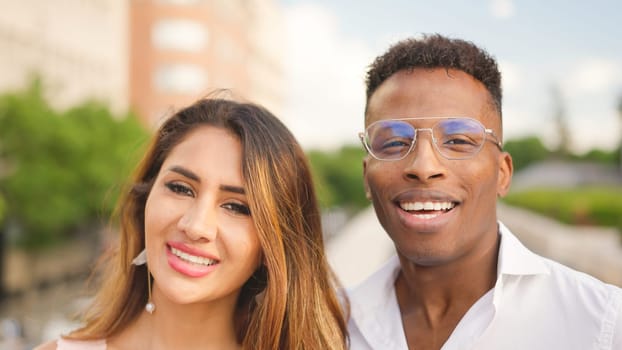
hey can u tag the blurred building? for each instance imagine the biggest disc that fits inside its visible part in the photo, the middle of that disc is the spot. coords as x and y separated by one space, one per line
150 55
77 47
565 174
181 50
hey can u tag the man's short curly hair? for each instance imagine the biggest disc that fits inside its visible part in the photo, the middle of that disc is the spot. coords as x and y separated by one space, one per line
436 51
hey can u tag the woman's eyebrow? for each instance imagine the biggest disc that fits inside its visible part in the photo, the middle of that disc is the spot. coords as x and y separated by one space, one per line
185 172
234 189
189 174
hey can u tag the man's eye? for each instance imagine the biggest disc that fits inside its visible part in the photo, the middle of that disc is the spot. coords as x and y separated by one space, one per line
395 143
238 208
459 140
179 189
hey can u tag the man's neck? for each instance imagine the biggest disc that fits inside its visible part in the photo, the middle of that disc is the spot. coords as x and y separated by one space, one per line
433 299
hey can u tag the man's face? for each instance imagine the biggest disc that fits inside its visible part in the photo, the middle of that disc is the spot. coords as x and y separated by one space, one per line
463 193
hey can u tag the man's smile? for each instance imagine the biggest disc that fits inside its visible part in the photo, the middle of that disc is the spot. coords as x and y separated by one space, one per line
427 209
426 206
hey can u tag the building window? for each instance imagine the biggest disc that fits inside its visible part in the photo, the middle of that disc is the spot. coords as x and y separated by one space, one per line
179 35
180 78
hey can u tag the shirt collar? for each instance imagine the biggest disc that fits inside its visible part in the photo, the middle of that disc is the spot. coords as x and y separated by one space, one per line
375 311
515 258
379 286
374 304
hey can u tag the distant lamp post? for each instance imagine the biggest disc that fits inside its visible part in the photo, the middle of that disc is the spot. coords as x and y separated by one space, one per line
561 123
620 141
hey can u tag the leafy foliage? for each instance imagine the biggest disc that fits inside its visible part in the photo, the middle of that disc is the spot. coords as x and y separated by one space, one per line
60 166
526 151
339 177
580 206
2 209
600 156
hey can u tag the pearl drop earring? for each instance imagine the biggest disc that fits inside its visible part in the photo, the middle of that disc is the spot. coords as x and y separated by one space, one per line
150 307
141 259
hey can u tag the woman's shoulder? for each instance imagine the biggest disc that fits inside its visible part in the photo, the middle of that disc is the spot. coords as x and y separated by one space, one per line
68 344
51 345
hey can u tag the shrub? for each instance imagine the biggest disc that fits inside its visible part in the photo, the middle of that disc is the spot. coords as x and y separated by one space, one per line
600 206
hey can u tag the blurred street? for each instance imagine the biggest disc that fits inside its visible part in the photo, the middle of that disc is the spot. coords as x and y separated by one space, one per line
44 313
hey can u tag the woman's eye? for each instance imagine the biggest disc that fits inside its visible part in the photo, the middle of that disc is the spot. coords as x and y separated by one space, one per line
238 208
179 189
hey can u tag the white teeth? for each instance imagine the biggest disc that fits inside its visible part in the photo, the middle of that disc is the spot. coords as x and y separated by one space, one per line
426 216
199 260
416 206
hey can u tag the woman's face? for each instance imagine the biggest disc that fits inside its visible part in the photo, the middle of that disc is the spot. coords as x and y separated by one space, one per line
201 240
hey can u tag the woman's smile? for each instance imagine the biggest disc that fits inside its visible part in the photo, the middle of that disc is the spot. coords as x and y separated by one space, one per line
189 264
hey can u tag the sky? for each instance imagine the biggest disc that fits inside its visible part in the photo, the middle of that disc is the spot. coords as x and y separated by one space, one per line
572 46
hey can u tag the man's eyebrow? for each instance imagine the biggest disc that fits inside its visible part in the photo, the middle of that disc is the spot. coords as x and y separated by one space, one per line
185 172
234 189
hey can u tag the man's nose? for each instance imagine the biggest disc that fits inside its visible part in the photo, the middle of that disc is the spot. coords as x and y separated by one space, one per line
424 162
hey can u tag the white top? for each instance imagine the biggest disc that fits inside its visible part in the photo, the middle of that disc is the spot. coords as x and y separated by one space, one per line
535 304
65 344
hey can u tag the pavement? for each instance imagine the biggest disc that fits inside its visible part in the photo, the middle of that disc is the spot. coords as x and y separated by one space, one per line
359 248
362 245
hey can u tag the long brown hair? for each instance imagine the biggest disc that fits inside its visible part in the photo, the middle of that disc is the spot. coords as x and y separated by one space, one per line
299 308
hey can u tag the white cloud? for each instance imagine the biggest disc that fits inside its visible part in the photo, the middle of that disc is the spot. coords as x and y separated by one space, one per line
604 134
591 90
510 76
502 9
325 78
593 76
519 121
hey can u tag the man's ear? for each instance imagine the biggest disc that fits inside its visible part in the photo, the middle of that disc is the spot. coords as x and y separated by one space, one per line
365 184
506 169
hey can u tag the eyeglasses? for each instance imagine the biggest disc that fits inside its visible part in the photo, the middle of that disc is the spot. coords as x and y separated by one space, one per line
453 137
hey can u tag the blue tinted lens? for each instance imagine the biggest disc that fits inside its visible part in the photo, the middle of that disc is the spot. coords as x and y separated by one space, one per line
390 139
455 138
459 138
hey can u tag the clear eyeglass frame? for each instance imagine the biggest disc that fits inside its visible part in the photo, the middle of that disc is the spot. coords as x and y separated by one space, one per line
485 131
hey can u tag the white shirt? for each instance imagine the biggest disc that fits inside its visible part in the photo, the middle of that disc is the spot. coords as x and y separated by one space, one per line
535 304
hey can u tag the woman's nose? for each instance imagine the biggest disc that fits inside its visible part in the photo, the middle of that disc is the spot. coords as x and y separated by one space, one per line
200 221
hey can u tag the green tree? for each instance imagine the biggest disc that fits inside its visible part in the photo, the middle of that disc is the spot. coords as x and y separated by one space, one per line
526 151
60 166
599 156
2 209
339 177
